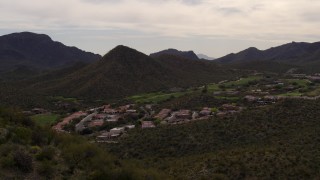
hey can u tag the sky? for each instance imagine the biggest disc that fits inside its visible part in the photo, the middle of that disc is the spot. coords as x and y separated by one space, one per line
211 27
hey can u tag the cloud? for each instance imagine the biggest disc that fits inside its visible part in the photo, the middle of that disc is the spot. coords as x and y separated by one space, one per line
265 20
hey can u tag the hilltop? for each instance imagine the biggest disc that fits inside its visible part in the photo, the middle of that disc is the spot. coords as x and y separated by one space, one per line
185 54
298 53
38 52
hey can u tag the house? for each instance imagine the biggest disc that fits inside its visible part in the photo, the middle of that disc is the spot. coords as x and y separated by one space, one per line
96 123
314 78
147 124
163 114
130 126
113 118
222 114
105 136
131 111
271 98
110 111
183 114
205 111
117 130
250 98
229 107
204 118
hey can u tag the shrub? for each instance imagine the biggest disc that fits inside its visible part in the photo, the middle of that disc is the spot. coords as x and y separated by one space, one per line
47 153
7 161
23 160
46 169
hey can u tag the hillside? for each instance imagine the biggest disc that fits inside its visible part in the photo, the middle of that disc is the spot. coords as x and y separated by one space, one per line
292 53
280 141
29 150
123 72
38 51
185 54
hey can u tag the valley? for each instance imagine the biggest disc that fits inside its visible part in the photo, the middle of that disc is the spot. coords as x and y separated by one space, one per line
176 106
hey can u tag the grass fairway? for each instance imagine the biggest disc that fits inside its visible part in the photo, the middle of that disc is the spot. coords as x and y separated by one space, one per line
313 93
213 87
299 82
45 119
156 97
243 81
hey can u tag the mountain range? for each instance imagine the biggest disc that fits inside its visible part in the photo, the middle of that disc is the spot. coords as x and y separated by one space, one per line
292 53
38 51
123 71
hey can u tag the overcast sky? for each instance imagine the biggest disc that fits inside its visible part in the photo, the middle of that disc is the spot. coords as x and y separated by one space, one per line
212 27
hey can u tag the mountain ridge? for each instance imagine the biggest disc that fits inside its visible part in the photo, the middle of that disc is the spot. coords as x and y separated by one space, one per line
39 51
296 53
175 52
124 71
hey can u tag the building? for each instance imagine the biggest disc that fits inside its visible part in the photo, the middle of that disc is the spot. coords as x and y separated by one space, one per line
229 107
205 111
106 136
250 98
96 123
131 111
183 114
130 126
113 118
314 78
117 130
163 114
147 124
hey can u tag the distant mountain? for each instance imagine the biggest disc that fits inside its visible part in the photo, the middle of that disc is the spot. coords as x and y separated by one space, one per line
124 71
203 56
292 53
185 54
38 51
